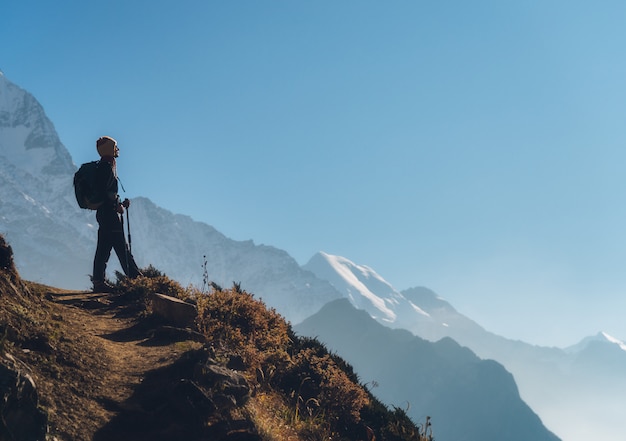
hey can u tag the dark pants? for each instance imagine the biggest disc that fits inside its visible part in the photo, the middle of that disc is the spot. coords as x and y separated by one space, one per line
111 236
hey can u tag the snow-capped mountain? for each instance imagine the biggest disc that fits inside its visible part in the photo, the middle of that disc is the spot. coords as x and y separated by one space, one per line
602 338
29 140
54 240
365 289
560 385
600 357
38 216
418 310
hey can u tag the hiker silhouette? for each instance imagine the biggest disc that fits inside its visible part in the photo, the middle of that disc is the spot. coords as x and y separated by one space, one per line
110 224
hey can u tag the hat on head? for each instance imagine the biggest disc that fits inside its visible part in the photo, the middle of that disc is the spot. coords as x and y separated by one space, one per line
106 146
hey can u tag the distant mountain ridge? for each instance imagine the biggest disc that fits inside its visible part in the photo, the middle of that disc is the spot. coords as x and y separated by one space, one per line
558 384
418 310
443 380
268 272
600 337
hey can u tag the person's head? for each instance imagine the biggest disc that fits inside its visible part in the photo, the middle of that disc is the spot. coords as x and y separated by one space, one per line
107 146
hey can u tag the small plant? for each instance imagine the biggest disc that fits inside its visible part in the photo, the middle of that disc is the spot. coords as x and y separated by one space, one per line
207 284
426 430
205 276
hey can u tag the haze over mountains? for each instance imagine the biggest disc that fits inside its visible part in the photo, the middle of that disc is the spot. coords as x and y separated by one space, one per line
53 241
561 385
468 397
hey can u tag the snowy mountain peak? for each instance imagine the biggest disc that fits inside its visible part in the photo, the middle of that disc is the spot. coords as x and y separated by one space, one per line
365 288
600 337
360 284
28 139
613 340
418 310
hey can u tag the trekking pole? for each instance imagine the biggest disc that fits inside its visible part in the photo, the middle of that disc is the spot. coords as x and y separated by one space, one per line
130 242
127 269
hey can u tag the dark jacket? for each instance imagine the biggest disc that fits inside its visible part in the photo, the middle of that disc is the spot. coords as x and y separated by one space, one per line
106 183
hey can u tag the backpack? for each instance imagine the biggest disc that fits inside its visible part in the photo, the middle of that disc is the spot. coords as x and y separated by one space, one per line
85 186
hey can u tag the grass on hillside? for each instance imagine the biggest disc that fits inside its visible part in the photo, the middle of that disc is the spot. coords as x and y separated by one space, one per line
301 388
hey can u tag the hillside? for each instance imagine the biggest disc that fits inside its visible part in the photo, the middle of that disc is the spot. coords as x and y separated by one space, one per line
81 366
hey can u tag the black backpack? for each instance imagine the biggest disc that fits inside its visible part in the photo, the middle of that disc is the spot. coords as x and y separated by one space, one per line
85 186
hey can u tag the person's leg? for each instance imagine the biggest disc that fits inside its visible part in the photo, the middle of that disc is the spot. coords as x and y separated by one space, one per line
103 252
127 261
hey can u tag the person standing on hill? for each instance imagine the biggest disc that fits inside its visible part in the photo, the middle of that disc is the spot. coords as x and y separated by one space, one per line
110 224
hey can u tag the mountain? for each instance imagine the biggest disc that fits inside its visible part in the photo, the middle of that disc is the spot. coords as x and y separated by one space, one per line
560 385
54 240
38 215
607 341
472 399
599 357
365 289
418 310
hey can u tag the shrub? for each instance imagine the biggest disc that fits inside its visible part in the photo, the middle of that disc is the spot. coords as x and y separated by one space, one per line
152 281
235 320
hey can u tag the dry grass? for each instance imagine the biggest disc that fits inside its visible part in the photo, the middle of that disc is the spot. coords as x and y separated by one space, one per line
270 413
303 392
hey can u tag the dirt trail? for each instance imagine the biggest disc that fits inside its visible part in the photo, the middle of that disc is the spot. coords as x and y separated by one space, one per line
113 353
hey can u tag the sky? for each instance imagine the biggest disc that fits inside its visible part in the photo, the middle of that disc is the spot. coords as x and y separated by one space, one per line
475 148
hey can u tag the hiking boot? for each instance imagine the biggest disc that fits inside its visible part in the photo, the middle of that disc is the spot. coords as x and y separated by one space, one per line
102 286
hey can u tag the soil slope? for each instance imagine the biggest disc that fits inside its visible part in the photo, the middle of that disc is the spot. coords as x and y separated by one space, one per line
102 352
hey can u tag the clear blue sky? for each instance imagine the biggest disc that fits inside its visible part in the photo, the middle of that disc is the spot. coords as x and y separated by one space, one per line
476 148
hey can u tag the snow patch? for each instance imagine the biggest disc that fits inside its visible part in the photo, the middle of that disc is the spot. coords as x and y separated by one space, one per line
614 340
418 309
344 267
